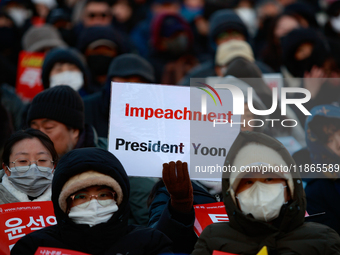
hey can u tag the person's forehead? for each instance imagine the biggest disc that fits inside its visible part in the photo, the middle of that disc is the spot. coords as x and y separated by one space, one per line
43 121
256 175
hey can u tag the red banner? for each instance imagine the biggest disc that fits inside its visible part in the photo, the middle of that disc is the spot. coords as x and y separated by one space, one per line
29 74
20 219
207 214
222 253
56 251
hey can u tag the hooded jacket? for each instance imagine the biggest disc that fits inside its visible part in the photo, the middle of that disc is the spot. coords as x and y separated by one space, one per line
112 237
288 234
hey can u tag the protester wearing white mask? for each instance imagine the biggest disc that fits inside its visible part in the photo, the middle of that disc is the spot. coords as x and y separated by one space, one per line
65 66
265 208
28 162
90 195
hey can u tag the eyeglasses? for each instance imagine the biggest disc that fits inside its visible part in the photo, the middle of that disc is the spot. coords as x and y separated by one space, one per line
23 165
104 198
99 14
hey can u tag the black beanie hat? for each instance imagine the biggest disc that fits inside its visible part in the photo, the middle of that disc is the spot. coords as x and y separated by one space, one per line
60 103
131 64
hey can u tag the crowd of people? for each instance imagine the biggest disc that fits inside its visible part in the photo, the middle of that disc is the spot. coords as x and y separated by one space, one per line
54 146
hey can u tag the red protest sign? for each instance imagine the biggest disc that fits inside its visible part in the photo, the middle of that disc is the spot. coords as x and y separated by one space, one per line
56 251
20 219
222 253
29 74
207 214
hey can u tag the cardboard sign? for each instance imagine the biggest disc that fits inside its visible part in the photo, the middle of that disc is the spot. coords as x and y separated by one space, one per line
154 124
20 219
57 251
206 214
29 75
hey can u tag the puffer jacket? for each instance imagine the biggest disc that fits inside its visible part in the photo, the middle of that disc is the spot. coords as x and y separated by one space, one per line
112 237
288 234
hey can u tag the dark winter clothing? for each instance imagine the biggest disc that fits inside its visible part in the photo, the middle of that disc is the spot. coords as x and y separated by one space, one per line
288 234
296 38
166 26
322 194
13 105
131 65
112 237
176 225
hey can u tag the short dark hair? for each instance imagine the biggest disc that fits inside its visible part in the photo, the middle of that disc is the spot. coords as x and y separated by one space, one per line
29 133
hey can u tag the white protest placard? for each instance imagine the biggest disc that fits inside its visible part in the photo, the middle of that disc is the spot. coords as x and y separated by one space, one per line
154 124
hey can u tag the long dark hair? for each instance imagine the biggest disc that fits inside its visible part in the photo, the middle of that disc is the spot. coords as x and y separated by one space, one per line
29 133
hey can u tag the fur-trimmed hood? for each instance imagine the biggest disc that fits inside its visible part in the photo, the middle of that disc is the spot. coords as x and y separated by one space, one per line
291 215
80 167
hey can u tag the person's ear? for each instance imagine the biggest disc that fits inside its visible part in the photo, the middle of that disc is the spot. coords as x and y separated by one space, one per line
8 173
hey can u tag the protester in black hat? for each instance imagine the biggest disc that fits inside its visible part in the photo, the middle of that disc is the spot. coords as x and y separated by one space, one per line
100 45
90 195
65 66
59 113
124 68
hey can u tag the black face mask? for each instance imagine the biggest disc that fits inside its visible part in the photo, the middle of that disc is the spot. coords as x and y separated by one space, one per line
298 67
68 35
98 64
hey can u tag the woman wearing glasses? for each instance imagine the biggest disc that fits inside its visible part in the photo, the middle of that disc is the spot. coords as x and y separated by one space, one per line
28 160
90 195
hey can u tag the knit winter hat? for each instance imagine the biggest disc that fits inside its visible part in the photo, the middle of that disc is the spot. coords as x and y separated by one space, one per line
232 49
37 38
60 103
131 64
256 155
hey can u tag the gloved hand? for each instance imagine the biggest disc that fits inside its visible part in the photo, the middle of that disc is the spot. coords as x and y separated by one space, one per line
177 182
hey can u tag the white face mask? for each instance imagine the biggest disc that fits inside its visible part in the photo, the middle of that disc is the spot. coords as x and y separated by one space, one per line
263 201
93 214
19 15
74 79
248 16
335 22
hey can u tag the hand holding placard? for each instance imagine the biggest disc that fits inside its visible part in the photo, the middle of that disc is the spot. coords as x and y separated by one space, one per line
177 181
